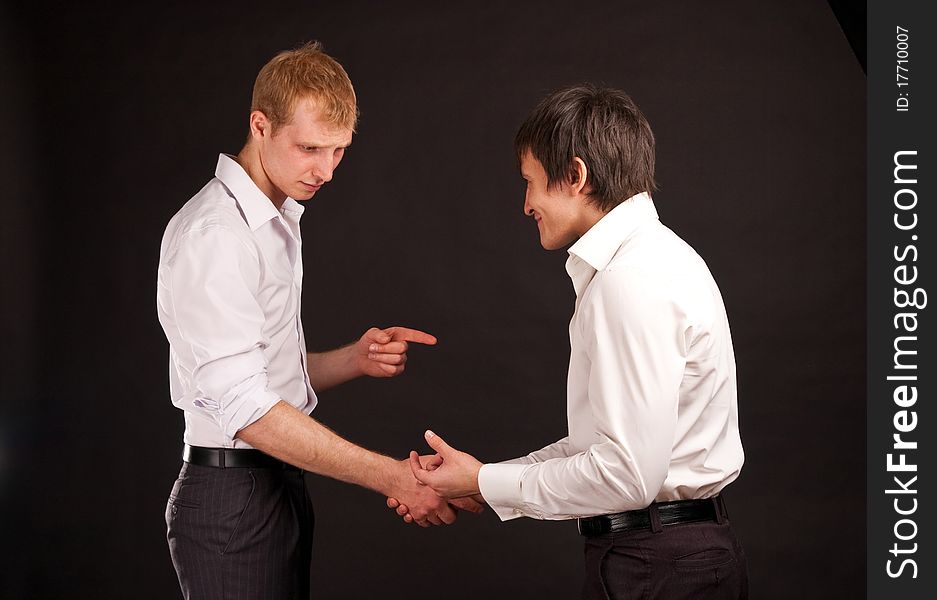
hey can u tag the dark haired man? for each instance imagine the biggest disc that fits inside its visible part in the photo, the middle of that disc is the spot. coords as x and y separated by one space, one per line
653 422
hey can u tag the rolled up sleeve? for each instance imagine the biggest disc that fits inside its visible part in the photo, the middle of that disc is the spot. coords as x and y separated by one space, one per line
213 281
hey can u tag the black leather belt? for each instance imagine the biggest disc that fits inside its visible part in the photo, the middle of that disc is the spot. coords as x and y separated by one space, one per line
669 513
227 458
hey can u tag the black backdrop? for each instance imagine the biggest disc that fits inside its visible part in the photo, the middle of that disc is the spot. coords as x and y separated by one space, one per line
113 117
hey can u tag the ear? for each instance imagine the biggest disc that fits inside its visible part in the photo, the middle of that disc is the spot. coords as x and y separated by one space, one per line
579 174
260 125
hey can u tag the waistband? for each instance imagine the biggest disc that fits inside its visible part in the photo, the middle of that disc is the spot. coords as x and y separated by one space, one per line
656 516
232 458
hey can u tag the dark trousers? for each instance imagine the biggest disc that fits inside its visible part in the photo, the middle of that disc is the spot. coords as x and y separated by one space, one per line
690 561
240 533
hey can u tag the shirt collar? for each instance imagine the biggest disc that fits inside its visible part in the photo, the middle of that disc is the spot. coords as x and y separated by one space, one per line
255 205
595 249
598 245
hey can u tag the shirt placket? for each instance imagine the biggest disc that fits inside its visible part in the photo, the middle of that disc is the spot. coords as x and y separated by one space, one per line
294 250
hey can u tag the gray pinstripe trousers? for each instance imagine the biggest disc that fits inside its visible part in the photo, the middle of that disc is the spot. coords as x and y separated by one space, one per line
240 533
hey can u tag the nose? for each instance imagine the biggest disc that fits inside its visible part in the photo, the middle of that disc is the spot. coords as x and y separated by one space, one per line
528 210
323 168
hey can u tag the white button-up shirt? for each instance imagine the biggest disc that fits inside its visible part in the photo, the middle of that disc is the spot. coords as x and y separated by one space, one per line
651 395
228 298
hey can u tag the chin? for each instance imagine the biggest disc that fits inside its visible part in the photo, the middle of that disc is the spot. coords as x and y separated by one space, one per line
549 244
556 243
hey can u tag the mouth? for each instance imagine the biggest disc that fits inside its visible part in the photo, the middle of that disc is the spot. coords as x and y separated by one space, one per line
310 187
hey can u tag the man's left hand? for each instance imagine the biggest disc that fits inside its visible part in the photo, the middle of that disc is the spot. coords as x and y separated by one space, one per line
383 352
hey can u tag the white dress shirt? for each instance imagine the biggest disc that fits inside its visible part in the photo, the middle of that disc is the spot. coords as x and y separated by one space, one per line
651 393
228 298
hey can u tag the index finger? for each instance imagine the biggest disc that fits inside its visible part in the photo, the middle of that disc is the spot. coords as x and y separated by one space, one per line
410 335
433 462
447 515
418 471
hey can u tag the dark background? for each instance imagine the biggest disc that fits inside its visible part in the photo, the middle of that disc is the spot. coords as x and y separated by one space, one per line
113 117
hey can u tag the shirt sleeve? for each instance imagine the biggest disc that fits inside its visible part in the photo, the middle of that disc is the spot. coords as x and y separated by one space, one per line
554 450
632 332
213 279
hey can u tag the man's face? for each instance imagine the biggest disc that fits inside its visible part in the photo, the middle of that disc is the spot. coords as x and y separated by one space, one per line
302 155
557 211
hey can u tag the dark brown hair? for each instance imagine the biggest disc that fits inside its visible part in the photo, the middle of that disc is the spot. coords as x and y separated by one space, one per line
604 128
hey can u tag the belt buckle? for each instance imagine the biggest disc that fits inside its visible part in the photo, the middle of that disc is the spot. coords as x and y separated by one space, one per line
592 526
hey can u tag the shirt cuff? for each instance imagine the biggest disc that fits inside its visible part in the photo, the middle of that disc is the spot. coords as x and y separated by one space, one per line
251 404
500 486
233 391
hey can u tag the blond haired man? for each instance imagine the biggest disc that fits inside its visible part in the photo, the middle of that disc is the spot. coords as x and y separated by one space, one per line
229 284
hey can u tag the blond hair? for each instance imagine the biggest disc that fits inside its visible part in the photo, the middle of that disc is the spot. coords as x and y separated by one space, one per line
306 72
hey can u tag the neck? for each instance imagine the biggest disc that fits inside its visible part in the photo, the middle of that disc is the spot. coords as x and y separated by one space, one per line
590 215
250 161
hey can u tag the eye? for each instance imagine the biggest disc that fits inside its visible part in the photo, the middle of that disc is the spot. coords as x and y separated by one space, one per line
308 148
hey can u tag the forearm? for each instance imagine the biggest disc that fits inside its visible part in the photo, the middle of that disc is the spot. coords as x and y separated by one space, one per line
602 479
299 440
332 368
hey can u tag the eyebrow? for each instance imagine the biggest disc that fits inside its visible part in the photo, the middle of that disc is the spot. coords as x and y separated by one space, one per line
320 145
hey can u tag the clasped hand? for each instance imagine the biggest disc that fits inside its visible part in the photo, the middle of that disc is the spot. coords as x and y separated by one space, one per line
449 475
424 491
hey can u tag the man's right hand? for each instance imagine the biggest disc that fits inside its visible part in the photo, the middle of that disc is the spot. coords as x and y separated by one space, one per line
423 504
431 462
289 435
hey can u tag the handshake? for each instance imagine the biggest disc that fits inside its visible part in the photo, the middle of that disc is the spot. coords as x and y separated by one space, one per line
437 486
